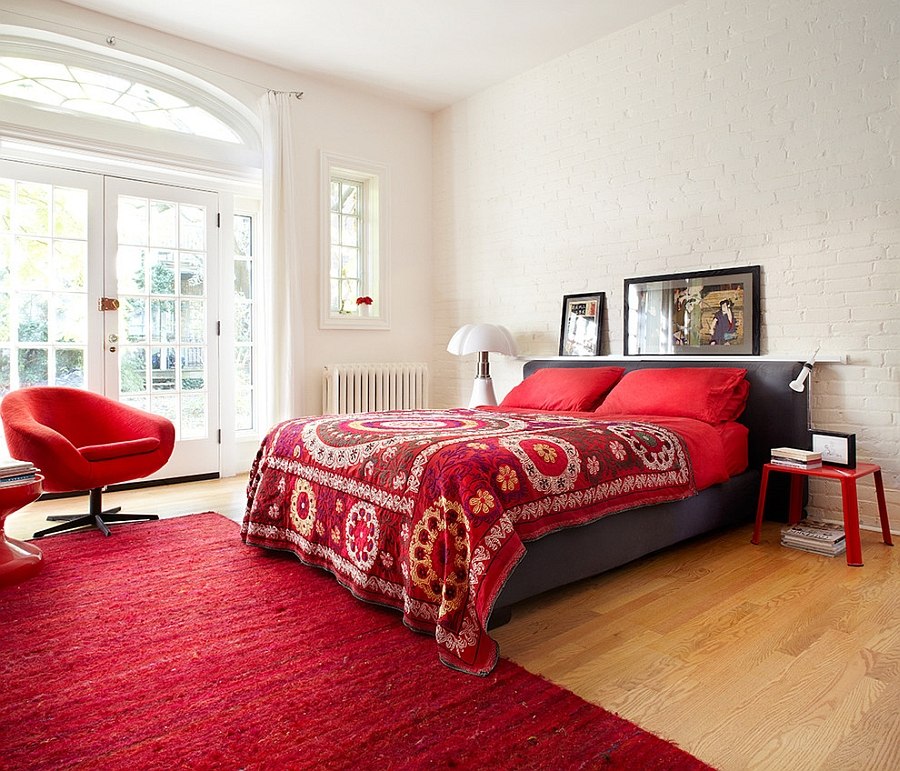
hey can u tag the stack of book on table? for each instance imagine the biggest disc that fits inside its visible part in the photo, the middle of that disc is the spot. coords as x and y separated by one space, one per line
16 472
817 537
793 458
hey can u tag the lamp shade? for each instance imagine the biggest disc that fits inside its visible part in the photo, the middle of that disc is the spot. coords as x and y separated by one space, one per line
474 338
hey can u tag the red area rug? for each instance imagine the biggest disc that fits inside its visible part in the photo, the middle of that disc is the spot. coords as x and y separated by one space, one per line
173 645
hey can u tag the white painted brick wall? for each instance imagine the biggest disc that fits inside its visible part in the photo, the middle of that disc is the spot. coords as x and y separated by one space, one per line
720 133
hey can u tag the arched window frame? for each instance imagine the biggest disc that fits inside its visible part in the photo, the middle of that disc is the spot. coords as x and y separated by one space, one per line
26 119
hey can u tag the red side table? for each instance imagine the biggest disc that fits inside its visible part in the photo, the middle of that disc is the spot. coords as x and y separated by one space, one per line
18 559
847 477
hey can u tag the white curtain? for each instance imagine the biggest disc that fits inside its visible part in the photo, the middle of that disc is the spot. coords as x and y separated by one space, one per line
282 341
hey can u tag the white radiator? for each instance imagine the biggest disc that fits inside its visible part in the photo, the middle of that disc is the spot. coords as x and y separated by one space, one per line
349 388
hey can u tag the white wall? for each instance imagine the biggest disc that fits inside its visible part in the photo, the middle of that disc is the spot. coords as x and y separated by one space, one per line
331 117
721 133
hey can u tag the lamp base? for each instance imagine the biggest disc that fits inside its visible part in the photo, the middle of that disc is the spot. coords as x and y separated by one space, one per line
482 393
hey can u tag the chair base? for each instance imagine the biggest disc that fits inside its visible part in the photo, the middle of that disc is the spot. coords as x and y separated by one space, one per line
95 517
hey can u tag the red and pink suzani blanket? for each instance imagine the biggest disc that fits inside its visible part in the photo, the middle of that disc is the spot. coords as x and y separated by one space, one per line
429 511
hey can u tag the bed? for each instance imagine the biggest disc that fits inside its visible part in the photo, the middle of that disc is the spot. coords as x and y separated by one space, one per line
453 516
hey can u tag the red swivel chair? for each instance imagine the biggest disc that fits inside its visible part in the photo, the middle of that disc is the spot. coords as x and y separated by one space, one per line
83 441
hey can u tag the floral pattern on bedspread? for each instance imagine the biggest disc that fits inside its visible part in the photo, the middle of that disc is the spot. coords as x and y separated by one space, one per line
427 511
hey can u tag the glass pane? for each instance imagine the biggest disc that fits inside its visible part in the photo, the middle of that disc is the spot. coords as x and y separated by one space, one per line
243 279
335 295
164 224
335 195
193 321
335 262
5 382
193 368
141 402
93 107
243 235
350 231
162 369
243 419
198 121
193 228
32 91
133 221
335 228
32 262
33 367
148 97
193 274
70 320
162 272
70 212
6 243
167 406
70 367
243 363
90 77
193 416
349 293
133 370
349 198
130 269
349 263
6 193
69 264
33 208
162 321
33 319
133 320
4 317
243 329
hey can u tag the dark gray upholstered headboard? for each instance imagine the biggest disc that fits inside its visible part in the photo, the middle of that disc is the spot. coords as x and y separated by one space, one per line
775 415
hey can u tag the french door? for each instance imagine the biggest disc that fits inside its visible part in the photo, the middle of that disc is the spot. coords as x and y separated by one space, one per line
112 285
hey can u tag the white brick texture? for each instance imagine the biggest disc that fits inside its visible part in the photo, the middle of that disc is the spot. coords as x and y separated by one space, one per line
720 133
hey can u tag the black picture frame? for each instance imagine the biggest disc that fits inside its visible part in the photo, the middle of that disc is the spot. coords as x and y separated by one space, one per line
705 312
837 449
582 324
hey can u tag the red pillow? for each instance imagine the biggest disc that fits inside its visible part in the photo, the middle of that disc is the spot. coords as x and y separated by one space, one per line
710 394
563 388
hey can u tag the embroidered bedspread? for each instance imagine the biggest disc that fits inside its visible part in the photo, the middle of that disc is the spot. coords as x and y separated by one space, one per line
427 511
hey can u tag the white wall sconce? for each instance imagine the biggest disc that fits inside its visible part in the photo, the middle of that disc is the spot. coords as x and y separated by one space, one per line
798 384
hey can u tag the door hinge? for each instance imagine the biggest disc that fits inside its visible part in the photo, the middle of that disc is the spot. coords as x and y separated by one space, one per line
107 304
218 219
220 436
219 328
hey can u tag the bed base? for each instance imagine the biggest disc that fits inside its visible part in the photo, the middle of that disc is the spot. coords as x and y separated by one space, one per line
775 415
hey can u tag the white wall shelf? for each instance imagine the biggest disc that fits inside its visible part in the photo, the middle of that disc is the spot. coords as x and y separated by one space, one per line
841 358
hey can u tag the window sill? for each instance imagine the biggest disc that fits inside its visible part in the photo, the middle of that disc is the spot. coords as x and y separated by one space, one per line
352 321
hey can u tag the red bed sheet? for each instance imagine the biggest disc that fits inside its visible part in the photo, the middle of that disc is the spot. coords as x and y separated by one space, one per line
429 511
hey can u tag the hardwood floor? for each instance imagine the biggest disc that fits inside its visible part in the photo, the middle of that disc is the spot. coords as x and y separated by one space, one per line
746 656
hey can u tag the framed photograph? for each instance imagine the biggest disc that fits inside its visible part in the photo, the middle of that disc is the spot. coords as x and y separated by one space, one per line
582 323
708 312
837 449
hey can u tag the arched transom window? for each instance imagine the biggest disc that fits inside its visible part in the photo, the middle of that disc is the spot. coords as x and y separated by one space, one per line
84 90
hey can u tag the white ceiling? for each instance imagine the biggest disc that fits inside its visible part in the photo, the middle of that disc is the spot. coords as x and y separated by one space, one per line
430 53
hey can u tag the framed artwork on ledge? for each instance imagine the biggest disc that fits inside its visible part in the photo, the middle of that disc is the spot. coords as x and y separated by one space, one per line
582 323
837 449
708 312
